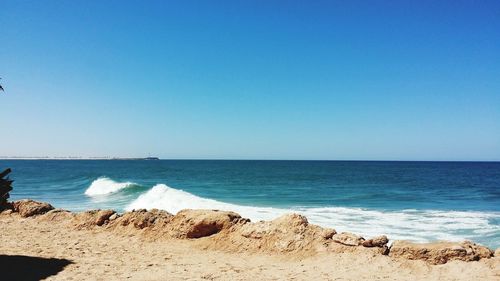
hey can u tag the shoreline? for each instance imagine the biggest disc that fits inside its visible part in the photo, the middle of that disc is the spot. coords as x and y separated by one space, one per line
288 241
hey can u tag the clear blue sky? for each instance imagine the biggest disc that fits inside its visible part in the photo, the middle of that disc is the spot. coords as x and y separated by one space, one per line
402 80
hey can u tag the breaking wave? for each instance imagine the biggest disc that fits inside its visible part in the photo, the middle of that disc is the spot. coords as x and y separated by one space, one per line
105 186
415 225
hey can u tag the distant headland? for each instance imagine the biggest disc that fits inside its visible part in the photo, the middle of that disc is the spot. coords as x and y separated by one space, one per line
74 158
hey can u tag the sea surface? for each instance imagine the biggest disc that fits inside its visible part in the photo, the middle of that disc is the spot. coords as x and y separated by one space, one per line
419 201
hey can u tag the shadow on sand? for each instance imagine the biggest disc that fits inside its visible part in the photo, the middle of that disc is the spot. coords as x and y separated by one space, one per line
30 268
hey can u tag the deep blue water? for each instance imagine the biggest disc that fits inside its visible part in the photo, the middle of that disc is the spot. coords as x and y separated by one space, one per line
420 201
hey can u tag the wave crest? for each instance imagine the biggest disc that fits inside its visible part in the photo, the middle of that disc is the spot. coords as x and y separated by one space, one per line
173 200
105 186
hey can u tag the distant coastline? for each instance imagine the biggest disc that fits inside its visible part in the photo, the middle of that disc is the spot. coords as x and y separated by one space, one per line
233 159
75 158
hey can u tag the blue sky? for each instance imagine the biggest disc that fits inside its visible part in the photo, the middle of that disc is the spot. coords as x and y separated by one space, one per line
395 80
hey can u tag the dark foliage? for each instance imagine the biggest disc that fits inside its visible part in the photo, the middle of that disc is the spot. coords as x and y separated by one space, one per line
5 188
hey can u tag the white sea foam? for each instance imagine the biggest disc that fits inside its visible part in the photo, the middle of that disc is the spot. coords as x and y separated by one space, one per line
419 226
173 200
104 186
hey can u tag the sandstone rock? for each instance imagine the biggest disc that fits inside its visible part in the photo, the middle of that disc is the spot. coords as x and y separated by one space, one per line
57 215
6 212
379 241
328 233
28 208
497 252
103 216
384 250
201 223
478 251
92 218
293 223
113 217
280 225
142 218
348 239
440 252
286 234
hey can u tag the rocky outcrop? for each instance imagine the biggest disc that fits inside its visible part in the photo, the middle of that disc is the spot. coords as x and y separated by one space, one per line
28 208
58 215
201 223
439 253
141 219
92 218
223 230
379 241
157 224
348 239
288 233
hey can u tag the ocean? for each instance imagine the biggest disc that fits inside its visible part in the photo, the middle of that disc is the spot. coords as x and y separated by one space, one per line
418 201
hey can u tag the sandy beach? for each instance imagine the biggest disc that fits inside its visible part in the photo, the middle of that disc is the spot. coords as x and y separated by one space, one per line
156 246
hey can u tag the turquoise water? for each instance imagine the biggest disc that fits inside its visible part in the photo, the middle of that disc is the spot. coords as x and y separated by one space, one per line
420 201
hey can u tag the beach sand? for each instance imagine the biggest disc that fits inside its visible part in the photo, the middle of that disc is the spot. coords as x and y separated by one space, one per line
107 253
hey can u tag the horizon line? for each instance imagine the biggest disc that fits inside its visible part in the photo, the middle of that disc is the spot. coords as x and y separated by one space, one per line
226 159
